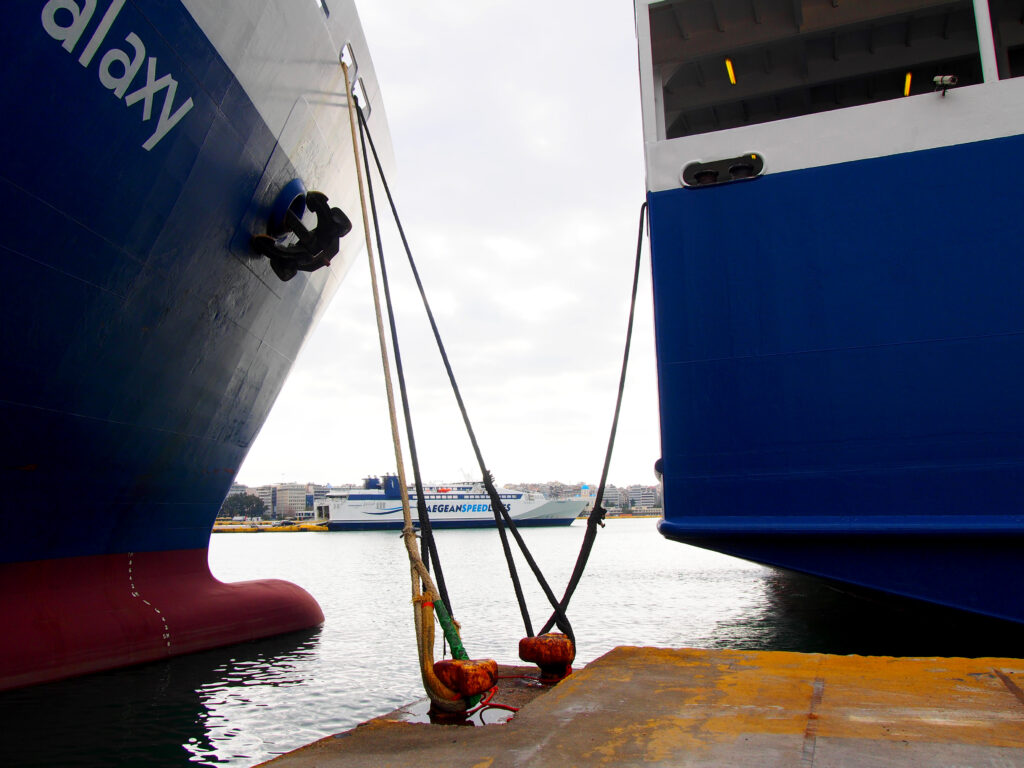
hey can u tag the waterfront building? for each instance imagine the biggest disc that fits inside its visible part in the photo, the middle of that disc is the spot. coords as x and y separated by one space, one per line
292 500
268 495
644 496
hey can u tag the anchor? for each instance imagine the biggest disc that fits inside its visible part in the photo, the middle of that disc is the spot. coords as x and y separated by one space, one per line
315 247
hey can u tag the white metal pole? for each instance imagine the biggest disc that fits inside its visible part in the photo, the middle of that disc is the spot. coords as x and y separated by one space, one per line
986 43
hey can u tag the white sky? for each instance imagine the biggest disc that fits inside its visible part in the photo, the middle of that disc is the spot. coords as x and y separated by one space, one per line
519 179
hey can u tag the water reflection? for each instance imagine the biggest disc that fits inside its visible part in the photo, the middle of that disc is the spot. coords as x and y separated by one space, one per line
255 685
813 615
162 713
243 705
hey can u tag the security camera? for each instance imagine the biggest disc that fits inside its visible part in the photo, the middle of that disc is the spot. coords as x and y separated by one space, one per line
944 81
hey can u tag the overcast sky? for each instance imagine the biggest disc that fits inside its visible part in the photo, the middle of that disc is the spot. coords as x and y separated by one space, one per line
519 179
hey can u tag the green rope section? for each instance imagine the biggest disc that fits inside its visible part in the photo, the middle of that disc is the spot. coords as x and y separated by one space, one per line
451 634
454 641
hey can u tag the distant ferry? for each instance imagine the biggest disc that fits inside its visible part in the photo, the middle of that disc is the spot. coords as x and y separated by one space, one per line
378 506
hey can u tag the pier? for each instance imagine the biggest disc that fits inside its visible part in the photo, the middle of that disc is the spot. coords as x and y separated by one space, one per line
703 708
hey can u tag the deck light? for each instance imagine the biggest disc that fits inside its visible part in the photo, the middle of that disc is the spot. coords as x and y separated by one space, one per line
906 85
729 69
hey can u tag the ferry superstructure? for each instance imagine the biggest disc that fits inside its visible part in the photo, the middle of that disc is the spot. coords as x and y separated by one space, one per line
834 221
145 144
378 506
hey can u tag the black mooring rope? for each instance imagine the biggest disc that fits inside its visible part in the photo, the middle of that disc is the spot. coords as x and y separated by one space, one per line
428 545
501 515
597 514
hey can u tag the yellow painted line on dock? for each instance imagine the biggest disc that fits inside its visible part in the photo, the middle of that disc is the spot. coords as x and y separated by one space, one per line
702 708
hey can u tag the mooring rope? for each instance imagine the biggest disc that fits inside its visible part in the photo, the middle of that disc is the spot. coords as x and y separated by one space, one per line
597 513
425 598
424 594
501 516
428 550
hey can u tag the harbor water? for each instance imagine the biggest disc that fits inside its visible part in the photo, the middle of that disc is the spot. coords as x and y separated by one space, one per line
243 705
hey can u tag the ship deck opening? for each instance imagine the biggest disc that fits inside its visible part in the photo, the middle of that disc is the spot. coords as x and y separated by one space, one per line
721 64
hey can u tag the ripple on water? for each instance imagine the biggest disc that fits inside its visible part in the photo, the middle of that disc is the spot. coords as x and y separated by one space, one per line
242 705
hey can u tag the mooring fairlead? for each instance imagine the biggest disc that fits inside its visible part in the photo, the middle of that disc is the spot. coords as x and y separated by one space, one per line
315 247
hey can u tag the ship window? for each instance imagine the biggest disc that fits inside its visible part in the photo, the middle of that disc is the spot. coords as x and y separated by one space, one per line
727 63
1015 61
1008 33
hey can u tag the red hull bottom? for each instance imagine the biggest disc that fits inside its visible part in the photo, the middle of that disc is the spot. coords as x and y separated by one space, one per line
73 616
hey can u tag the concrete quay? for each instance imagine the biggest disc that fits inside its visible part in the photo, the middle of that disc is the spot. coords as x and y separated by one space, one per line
703 708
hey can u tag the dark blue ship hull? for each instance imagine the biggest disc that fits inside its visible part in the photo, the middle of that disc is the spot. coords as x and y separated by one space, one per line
840 357
143 342
143 345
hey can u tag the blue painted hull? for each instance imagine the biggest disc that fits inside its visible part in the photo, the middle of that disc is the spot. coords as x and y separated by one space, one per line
143 342
840 352
143 346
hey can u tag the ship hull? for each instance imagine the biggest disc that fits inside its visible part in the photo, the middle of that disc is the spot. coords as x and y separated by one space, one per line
144 342
396 525
977 573
71 616
839 356
374 512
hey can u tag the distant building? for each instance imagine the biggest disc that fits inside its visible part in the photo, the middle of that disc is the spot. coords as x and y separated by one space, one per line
287 500
292 501
614 497
644 496
268 495
237 488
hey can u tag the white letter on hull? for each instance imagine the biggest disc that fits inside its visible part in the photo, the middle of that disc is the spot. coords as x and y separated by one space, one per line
80 17
81 13
131 65
166 121
101 32
149 89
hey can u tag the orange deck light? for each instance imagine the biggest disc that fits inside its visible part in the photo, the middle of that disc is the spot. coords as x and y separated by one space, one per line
729 69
